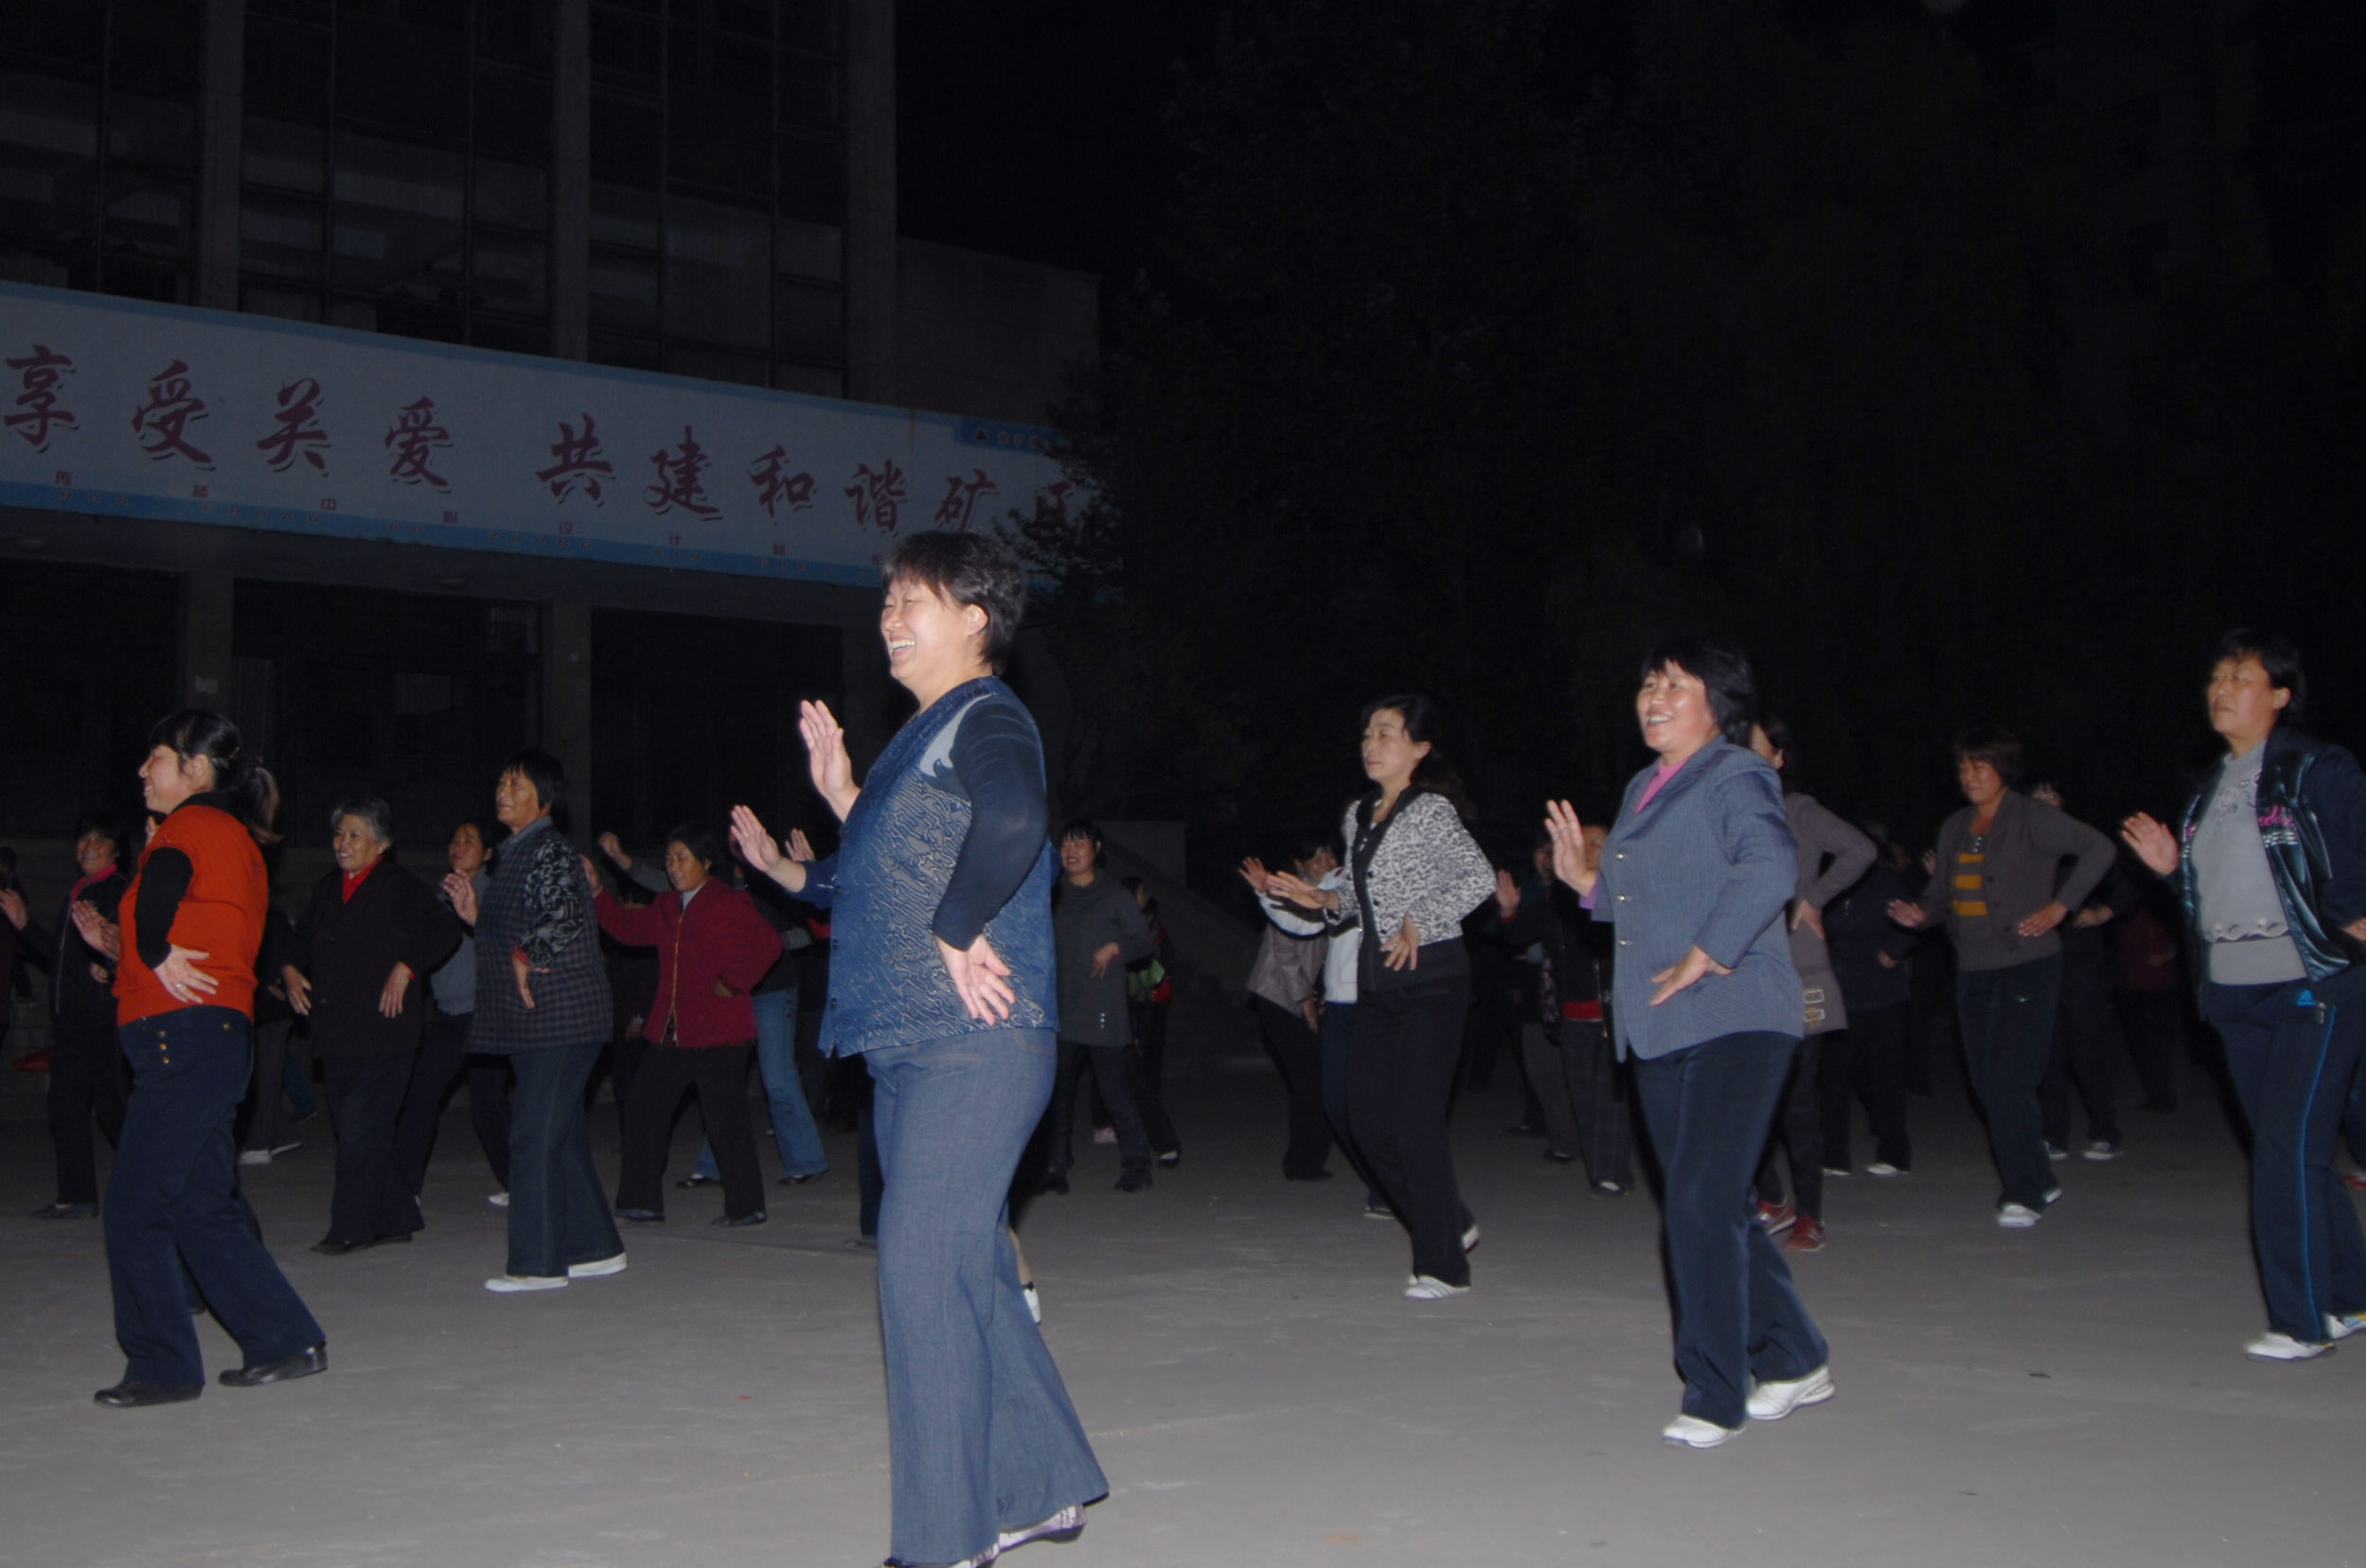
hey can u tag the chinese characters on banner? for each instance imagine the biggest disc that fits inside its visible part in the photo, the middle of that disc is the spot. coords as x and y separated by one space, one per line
115 406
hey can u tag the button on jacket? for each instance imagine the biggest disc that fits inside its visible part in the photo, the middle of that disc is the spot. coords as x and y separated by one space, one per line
709 958
1710 863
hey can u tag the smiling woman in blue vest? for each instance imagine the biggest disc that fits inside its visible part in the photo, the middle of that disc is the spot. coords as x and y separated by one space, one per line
1696 876
941 978
2271 863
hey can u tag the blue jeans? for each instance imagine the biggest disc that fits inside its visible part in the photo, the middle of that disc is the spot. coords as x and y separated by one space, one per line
793 1132
2292 1052
980 1431
174 1199
558 1208
1737 1315
2007 1018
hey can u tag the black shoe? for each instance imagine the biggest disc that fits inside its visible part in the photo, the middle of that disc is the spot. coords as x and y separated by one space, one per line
640 1216
392 1238
1558 1158
1310 1176
129 1395
733 1221
1523 1130
1056 1180
800 1181
333 1248
68 1211
696 1181
312 1359
1135 1180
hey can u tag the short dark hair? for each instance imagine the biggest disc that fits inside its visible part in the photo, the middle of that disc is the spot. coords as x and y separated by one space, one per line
1719 666
1999 748
107 825
1423 720
544 772
966 568
374 813
237 772
2279 656
704 843
1081 828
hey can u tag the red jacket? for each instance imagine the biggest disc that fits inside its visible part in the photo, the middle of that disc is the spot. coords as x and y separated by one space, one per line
220 915
707 961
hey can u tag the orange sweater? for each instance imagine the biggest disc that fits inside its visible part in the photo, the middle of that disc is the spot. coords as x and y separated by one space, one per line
221 916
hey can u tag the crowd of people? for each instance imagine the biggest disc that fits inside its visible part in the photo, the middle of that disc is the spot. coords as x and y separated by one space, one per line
1721 961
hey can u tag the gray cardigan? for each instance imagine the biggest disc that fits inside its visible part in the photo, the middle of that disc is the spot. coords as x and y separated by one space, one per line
2020 872
1832 856
1710 864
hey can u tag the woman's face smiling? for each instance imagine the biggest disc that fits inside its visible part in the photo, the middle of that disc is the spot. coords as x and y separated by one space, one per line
932 643
1673 708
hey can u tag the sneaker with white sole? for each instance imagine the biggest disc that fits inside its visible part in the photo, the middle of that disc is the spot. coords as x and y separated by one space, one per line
253 1156
1426 1288
2275 1346
1771 1401
1064 1525
1693 1433
2340 1325
513 1284
2057 1152
597 1268
1883 1168
2016 1215
2102 1148
1470 1236
498 1200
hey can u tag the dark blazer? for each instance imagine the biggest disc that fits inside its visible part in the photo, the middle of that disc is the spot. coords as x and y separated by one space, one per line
60 949
347 947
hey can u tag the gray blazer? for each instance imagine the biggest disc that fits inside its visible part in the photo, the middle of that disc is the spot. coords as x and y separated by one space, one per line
1709 863
1832 856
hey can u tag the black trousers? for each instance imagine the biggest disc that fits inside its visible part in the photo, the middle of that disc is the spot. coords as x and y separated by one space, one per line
489 1082
1109 1072
1401 1079
1146 1074
85 1082
2086 1053
1297 1050
1868 1061
263 1115
1799 1126
2007 1018
364 1095
1582 1093
664 1075
2154 1024
443 1063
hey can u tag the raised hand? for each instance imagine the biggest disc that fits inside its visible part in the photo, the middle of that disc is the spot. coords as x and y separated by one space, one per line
1281 885
1253 871
1506 894
759 850
982 978
799 848
2154 843
825 756
613 848
462 892
1570 861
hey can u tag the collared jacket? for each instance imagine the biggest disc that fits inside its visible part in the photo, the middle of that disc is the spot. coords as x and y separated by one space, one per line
540 904
347 947
1424 867
709 958
2312 822
948 841
1709 863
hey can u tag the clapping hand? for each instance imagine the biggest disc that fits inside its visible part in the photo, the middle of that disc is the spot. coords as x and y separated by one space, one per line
2154 843
462 892
757 847
99 931
825 755
1570 861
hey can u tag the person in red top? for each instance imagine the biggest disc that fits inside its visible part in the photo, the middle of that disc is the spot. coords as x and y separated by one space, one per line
191 927
713 947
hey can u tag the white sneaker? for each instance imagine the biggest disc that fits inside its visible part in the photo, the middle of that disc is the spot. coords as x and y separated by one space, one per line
288 1148
2052 1195
1835 1171
1883 1168
1470 1236
511 1284
253 1156
1035 1303
2274 1346
2016 1215
2339 1326
1064 1525
1424 1287
1692 1431
597 1268
2102 1148
1771 1401
498 1200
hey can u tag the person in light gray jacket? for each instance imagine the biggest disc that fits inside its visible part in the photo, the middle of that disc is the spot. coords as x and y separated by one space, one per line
1697 874
1097 929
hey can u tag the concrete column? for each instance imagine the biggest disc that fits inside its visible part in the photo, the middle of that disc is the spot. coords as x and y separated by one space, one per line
567 704
871 224
206 666
571 182
221 114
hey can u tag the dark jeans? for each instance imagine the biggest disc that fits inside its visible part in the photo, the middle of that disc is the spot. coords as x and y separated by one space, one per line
1401 1079
2087 1053
85 1082
1297 1051
434 1074
263 1117
2155 1024
174 1213
1737 1315
370 1199
1799 1126
557 1212
665 1074
1575 1072
1109 1071
2292 1053
1870 1062
2007 1017
981 1434
490 1084
1146 1074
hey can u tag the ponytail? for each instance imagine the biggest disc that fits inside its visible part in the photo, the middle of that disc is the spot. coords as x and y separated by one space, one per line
237 772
